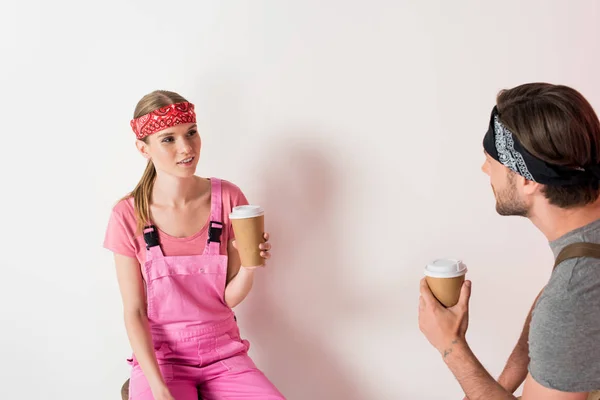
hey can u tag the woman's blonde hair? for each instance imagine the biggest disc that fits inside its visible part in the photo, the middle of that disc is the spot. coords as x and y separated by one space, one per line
142 193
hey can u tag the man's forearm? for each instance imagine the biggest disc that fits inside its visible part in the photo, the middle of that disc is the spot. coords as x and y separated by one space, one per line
515 371
475 381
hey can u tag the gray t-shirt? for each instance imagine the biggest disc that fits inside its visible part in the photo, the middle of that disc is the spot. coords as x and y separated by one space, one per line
564 335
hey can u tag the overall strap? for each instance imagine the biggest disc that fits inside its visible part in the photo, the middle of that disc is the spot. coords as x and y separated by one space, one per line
578 250
215 225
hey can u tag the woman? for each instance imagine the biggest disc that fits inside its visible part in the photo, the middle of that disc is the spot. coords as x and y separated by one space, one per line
178 269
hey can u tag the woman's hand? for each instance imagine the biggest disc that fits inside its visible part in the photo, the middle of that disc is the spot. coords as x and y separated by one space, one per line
265 249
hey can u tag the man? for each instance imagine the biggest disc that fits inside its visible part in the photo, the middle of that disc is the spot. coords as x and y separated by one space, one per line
542 154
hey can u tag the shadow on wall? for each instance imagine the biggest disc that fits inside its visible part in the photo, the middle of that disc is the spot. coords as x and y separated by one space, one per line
294 305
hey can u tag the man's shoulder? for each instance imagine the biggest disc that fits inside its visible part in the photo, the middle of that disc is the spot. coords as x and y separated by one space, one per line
565 328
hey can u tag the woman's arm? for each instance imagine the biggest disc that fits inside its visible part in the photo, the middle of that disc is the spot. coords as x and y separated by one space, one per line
240 279
131 285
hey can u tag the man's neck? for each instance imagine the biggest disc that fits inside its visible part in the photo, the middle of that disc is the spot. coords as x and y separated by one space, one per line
555 222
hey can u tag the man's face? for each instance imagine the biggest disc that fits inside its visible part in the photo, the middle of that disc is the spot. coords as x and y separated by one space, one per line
503 181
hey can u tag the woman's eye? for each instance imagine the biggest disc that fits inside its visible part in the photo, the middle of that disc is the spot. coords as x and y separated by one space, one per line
192 132
167 139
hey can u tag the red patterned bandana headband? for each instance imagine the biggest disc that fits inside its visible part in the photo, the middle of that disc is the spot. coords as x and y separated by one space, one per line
163 118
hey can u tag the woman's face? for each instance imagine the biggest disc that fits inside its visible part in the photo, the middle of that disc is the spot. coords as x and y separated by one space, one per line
174 150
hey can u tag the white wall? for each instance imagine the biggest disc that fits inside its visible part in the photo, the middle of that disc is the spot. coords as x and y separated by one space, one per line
357 124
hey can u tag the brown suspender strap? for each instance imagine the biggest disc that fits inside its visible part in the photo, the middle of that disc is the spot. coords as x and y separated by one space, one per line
578 250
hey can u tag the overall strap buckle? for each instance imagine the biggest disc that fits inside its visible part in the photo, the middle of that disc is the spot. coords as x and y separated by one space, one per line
214 232
151 237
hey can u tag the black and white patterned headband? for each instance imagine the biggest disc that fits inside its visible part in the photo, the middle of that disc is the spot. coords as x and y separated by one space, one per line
500 143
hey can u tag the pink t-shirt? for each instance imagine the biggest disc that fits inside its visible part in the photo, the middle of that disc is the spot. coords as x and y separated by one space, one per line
121 238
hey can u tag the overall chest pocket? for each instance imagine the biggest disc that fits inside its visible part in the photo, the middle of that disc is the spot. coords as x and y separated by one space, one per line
184 288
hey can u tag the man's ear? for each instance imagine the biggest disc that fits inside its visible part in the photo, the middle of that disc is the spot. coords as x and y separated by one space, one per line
529 187
142 148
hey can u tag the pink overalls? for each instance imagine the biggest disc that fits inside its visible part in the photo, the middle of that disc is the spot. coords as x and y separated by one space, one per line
196 338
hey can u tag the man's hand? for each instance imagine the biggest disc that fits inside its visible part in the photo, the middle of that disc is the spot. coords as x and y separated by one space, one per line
443 326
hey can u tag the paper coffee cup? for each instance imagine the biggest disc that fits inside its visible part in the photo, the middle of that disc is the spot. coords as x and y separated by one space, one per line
445 278
249 227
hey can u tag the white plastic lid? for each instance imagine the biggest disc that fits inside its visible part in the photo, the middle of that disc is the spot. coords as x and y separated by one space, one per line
445 268
249 211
